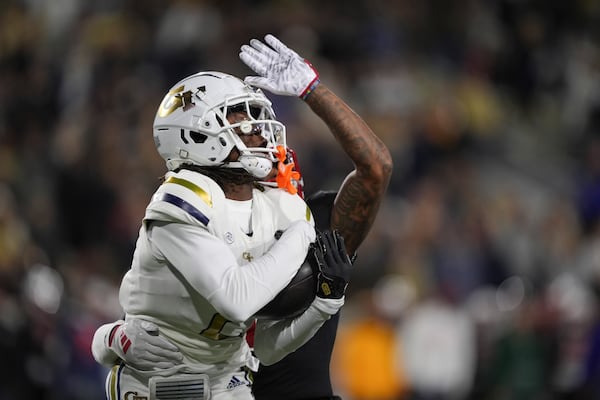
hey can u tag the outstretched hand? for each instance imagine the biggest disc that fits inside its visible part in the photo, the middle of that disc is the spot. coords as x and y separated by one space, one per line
335 266
282 71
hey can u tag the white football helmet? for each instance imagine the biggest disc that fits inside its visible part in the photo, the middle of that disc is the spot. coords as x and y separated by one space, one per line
191 124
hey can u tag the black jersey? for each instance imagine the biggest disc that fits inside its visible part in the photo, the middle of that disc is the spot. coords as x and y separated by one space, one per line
303 374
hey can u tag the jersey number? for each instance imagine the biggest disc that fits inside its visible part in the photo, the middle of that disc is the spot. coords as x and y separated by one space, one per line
215 327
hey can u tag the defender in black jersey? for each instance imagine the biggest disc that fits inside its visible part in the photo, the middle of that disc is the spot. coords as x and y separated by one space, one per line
304 374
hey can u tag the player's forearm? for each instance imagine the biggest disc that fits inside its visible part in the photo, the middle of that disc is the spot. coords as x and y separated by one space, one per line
362 191
102 353
275 340
206 266
368 153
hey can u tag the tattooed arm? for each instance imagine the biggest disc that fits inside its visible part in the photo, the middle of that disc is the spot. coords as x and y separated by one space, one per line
282 71
361 192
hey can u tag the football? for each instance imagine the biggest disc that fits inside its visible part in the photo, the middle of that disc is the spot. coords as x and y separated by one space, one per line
295 298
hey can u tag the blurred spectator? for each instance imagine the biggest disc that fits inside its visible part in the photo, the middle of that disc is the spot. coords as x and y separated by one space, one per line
438 346
520 367
367 360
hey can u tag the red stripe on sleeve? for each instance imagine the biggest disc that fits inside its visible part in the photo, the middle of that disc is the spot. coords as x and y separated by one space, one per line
111 336
126 345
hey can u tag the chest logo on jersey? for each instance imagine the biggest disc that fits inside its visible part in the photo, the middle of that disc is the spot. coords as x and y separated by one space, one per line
247 256
228 237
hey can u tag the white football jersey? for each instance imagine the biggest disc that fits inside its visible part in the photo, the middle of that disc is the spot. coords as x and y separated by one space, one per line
186 276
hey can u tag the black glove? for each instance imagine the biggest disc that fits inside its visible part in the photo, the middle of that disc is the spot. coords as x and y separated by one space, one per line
334 265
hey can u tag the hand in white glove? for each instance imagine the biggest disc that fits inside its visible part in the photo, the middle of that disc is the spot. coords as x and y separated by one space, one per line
137 343
282 71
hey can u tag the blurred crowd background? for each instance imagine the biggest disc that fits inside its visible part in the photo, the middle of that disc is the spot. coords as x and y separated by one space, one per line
481 276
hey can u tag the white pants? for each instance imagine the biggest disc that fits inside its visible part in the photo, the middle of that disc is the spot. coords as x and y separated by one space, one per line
122 383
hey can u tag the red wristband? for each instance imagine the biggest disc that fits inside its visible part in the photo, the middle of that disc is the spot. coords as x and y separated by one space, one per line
310 88
313 84
111 335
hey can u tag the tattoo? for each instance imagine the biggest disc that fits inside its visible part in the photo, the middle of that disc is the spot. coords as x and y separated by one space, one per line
354 211
361 192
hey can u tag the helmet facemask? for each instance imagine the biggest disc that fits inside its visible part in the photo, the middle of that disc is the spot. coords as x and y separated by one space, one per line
259 120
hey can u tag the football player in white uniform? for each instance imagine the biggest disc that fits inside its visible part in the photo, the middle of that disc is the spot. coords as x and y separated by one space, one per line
217 243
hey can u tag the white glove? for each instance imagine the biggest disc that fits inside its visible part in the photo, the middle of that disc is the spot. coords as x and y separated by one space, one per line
282 71
137 343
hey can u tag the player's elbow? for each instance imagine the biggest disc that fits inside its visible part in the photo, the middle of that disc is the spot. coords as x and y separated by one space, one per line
232 305
235 312
379 170
267 354
100 350
266 360
385 165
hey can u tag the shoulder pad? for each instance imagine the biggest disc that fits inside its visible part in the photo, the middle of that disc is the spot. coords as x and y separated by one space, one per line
291 206
186 196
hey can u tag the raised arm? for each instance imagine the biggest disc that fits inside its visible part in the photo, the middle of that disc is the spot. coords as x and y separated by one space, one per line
361 192
282 71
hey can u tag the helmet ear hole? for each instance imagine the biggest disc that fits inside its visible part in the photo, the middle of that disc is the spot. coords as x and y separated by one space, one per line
198 137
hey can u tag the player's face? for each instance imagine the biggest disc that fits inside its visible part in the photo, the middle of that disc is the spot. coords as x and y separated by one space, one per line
252 139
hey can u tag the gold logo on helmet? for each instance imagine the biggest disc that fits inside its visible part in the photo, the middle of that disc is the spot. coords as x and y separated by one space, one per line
173 100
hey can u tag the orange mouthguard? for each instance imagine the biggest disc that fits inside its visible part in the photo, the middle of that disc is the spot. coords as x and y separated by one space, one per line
285 172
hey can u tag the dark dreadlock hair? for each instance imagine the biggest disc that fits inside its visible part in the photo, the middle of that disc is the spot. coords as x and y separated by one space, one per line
223 176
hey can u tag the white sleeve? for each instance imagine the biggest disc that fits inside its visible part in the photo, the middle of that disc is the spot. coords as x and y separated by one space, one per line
206 263
102 353
273 340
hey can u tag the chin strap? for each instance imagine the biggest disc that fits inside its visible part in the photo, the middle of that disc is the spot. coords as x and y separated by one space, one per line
285 172
257 166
